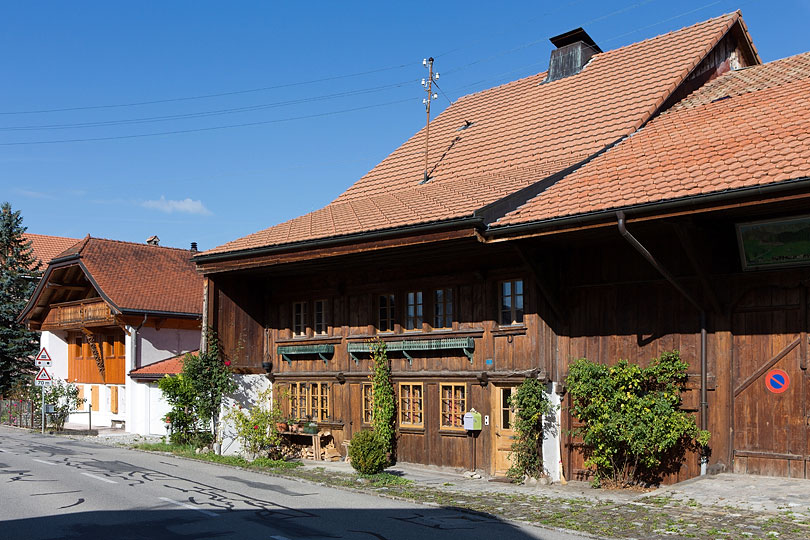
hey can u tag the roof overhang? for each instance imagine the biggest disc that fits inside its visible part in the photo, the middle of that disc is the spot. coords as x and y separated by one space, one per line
702 203
469 226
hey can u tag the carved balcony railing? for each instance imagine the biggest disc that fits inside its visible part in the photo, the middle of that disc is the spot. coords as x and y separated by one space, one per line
82 313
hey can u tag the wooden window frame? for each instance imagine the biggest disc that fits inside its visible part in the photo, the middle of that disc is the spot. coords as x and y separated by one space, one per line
515 297
412 409
505 408
445 319
460 404
368 404
390 311
302 399
299 319
319 328
414 320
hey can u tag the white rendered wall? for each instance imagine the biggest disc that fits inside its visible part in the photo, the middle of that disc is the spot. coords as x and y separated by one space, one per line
551 441
56 345
247 395
145 406
156 345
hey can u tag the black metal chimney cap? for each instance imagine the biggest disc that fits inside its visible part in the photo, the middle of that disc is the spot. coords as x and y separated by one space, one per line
572 36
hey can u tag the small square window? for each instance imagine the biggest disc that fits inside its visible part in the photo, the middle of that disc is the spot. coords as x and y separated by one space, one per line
452 405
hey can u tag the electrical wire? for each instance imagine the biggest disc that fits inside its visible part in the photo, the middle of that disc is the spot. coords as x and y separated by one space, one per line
207 96
204 114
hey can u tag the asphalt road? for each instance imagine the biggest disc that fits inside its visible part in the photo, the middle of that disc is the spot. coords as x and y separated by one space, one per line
53 487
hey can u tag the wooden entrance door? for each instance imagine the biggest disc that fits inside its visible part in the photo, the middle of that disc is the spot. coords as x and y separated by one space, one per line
769 327
503 419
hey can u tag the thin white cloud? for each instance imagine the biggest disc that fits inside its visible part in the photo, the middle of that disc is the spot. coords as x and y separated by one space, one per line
34 194
186 206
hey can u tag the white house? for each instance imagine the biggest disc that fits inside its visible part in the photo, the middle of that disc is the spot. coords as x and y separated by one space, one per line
107 310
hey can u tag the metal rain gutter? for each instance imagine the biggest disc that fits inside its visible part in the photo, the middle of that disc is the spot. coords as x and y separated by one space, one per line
475 221
704 404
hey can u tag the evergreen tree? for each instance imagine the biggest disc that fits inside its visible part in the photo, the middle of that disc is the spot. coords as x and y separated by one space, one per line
19 273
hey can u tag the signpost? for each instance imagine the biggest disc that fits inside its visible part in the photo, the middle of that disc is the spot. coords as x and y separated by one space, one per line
43 378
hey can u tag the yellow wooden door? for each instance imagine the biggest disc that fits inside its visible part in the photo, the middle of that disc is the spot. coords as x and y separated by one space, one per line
503 422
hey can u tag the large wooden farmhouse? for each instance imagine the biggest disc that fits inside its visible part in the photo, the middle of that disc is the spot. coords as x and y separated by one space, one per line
109 313
621 204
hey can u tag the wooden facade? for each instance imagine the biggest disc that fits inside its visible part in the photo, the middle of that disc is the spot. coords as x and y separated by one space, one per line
586 293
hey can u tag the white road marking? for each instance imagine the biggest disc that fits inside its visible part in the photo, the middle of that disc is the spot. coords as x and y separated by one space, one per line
100 478
43 461
189 506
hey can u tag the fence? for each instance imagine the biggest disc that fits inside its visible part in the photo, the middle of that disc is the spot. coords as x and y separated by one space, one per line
20 413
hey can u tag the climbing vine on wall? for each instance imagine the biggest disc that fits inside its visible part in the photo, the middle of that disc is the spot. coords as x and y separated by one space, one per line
384 410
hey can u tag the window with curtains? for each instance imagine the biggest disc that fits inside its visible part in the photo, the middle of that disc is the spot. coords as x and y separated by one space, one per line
410 405
309 400
452 405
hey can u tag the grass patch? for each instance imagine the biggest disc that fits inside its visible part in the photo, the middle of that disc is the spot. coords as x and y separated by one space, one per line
385 479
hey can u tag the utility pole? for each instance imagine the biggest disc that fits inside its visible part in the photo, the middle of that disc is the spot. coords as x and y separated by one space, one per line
428 86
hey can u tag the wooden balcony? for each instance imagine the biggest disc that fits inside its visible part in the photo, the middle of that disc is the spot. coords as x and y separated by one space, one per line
82 313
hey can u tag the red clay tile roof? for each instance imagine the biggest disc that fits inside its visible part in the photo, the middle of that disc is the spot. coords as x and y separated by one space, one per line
140 277
521 132
746 128
170 366
47 247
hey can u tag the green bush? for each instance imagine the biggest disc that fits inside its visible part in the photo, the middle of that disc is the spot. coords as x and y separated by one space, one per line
633 426
531 406
368 453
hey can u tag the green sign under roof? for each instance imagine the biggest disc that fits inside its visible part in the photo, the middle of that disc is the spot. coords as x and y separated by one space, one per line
774 243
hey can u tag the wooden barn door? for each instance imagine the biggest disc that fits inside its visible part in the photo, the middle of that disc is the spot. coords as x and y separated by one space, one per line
770 381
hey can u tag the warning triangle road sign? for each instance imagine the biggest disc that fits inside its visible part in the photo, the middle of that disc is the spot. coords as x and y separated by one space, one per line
43 355
43 376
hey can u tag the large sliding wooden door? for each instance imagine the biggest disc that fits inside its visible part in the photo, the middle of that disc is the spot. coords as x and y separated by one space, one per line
770 381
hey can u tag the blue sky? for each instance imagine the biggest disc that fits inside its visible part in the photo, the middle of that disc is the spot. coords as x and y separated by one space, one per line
331 88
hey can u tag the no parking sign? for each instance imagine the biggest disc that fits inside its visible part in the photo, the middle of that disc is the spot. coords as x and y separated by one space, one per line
777 381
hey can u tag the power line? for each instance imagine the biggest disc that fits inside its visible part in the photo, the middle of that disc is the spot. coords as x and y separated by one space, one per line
211 128
206 96
204 114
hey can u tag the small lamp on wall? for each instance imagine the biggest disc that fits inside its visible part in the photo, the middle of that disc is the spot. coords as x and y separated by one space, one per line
341 378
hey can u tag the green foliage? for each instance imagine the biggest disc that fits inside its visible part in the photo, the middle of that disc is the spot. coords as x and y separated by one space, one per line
385 479
210 380
368 453
196 395
19 273
531 406
383 415
64 397
633 425
256 427
183 421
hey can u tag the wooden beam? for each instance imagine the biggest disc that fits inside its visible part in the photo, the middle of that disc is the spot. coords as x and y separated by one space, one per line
541 280
687 242
91 340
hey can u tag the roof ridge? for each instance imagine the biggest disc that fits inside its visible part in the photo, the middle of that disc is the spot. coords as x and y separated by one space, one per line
88 237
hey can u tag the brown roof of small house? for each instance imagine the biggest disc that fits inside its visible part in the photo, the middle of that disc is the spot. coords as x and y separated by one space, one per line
46 247
170 366
746 128
520 133
140 277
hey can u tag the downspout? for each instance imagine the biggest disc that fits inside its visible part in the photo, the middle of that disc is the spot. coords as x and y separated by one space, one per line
704 404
